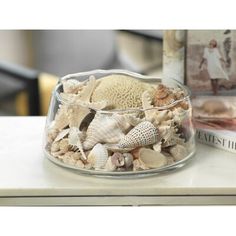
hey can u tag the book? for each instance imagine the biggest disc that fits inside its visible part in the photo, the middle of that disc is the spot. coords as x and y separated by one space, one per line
223 139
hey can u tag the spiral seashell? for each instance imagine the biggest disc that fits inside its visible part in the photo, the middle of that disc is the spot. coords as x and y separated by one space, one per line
145 133
98 156
105 129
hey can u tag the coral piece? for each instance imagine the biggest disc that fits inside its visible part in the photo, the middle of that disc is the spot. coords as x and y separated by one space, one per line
145 133
98 156
152 159
60 148
105 129
72 86
121 91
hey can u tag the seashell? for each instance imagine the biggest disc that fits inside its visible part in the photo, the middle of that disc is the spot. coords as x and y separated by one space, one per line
98 156
62 134
110 166
72 86
152 159
128 160
143 134
116 148
60 148
163 96
178 152
74 140
157 147
105 129
121 90
61 119
139 165
77 113
118 159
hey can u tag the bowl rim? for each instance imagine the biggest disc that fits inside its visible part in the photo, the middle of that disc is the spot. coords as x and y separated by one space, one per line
123 72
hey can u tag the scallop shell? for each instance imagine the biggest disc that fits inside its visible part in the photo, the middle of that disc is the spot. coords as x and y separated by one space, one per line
152 159
178 152
105 129
98 156
145 133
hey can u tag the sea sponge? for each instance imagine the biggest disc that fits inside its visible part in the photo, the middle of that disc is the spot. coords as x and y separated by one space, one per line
121 91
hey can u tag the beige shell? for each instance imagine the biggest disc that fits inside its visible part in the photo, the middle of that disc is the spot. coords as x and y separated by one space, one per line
152 159
105 129
145 133
178 152
139 165
110 166
121 90
98 156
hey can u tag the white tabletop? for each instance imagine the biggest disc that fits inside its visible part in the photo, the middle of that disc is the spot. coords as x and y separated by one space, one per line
28 178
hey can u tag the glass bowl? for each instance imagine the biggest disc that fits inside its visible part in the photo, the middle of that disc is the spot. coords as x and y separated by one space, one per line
119 123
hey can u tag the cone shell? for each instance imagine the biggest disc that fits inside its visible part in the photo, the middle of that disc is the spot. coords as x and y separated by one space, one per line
105 129
143 134
98 156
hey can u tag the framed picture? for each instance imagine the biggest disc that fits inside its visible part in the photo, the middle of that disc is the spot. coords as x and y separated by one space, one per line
211 75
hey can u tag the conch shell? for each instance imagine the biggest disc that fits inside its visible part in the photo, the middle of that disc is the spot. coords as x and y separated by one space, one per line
105 129
152 159
98 156
145 133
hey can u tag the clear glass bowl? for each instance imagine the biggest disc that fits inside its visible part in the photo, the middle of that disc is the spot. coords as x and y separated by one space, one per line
119 123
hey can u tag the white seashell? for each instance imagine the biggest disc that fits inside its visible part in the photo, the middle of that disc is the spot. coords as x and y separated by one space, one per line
178 152
75 140
105 129
110 166
62 134
143 134
152 159
98 156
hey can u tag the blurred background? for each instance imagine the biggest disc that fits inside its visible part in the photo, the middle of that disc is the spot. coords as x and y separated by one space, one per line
31 61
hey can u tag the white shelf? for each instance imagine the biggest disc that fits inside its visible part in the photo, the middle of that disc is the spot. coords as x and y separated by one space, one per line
27 178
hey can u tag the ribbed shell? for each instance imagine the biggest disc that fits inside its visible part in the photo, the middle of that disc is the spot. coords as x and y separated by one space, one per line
105 129
143 134
98 156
